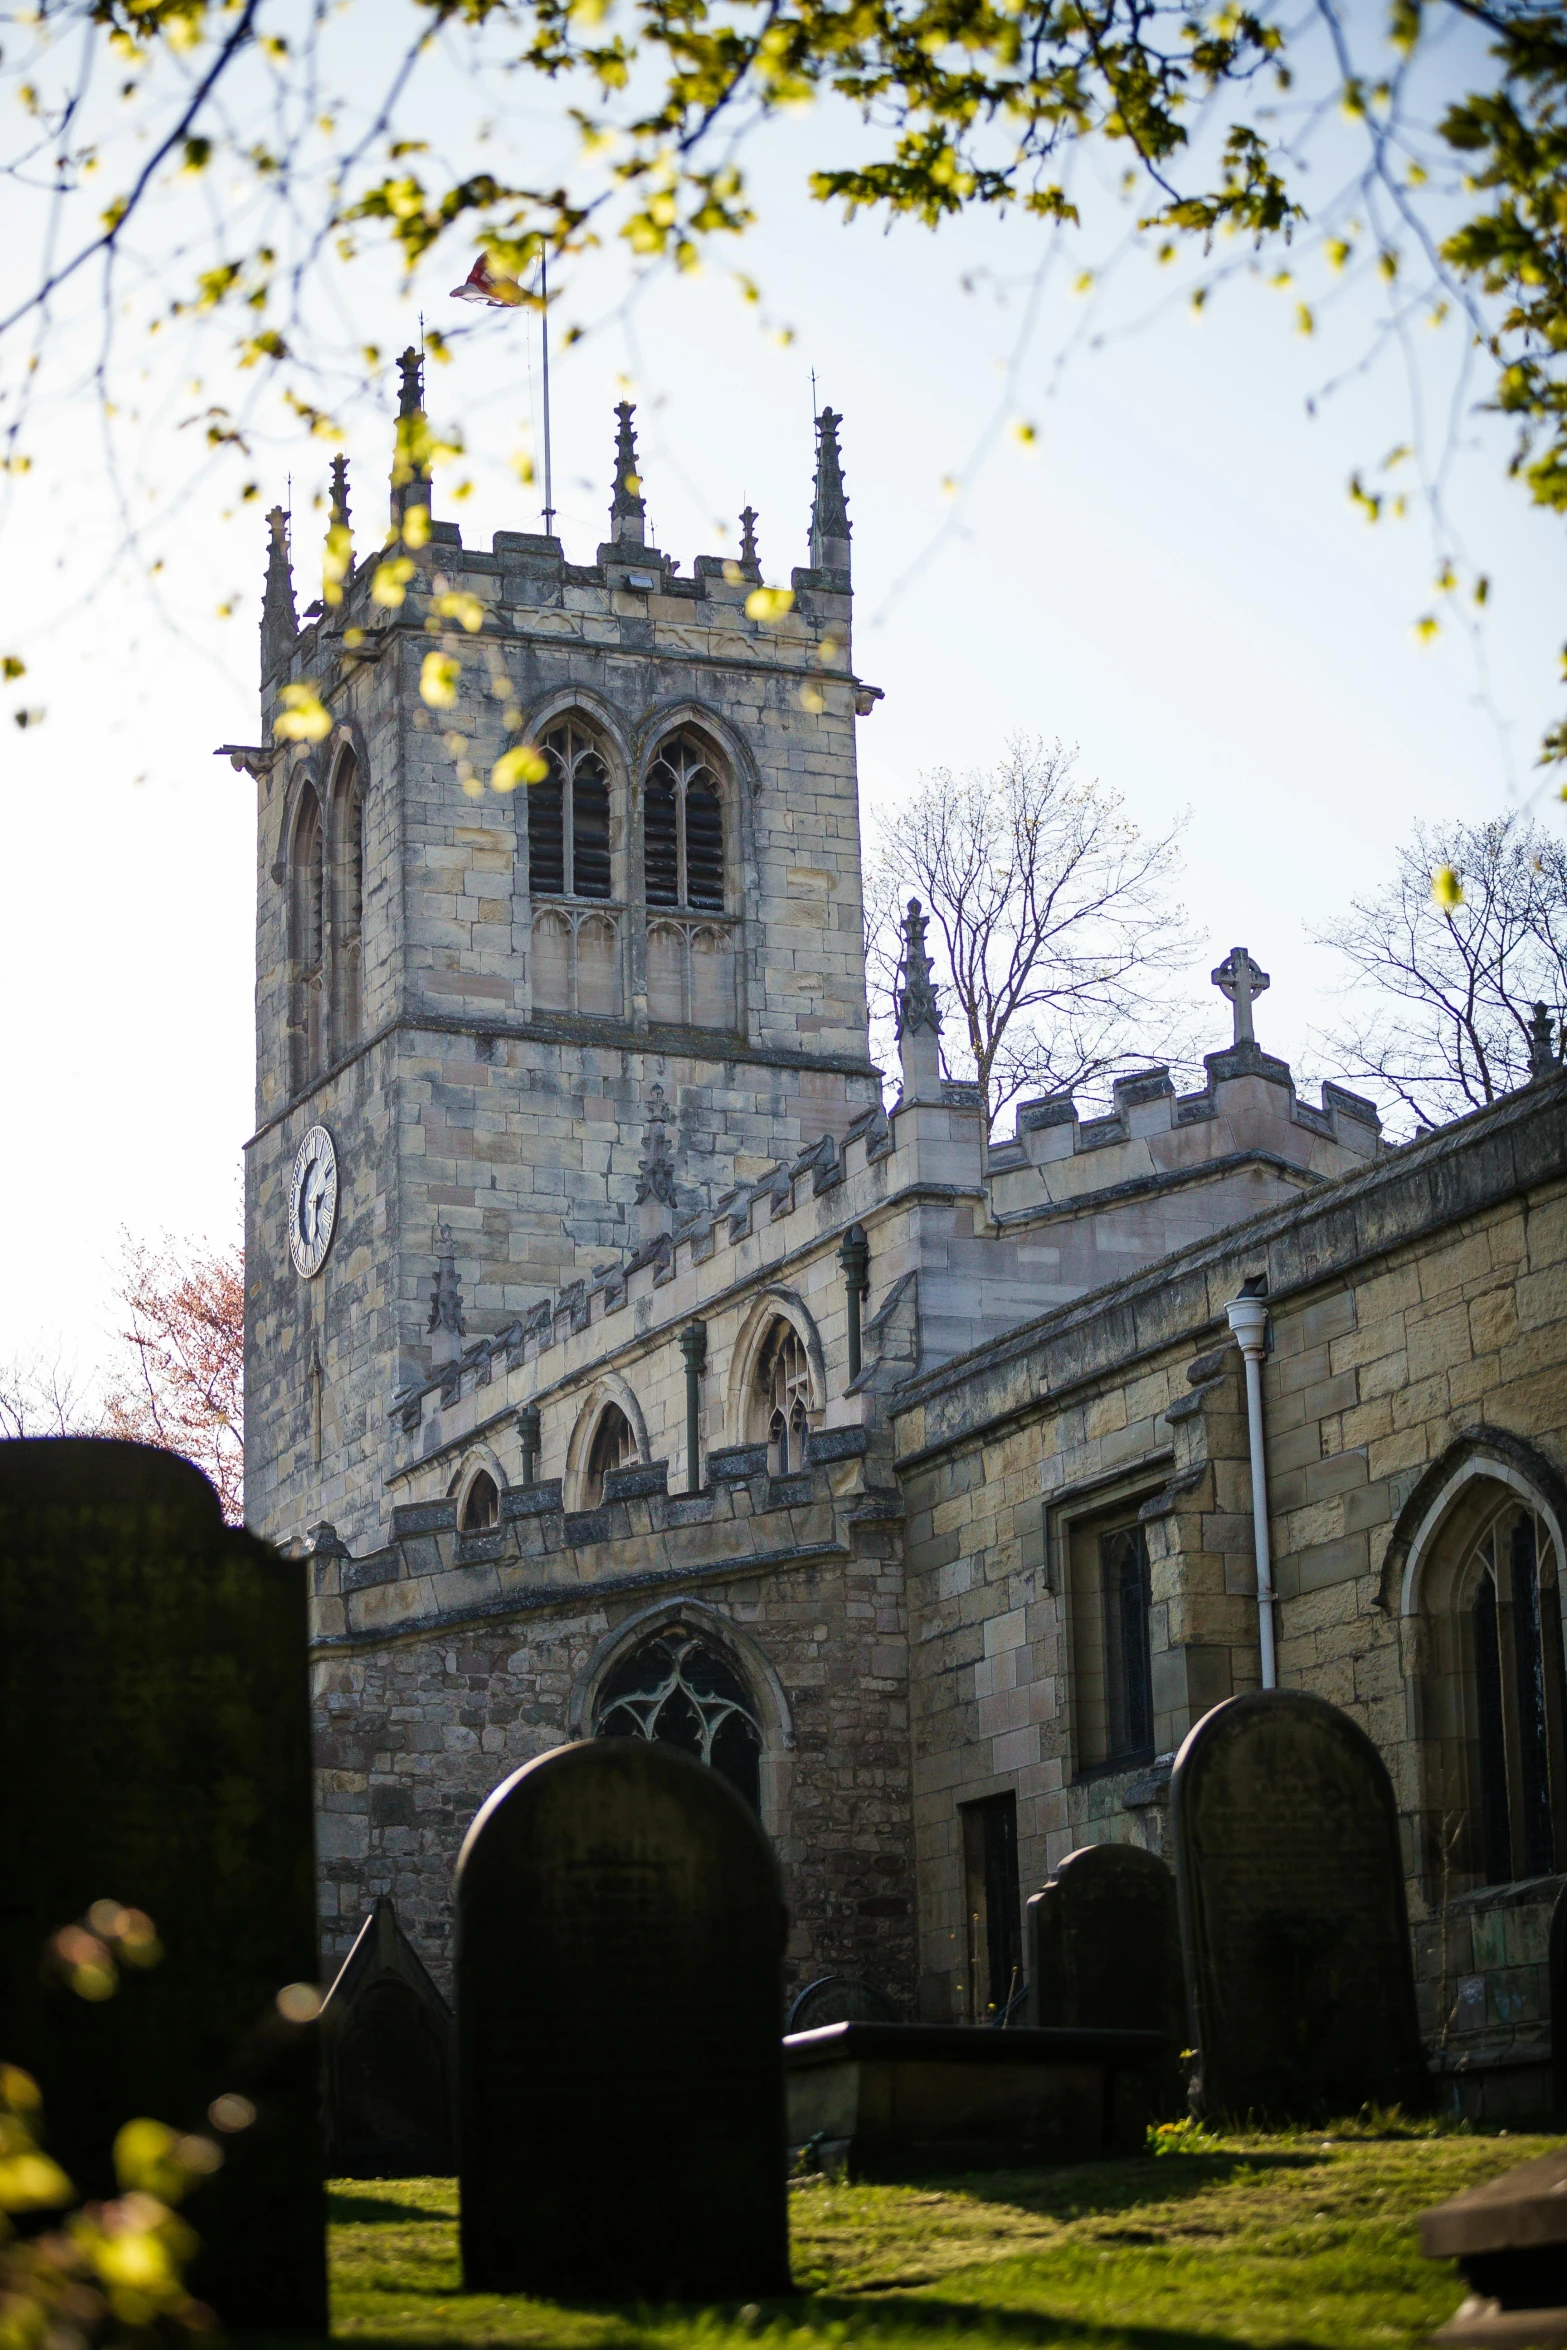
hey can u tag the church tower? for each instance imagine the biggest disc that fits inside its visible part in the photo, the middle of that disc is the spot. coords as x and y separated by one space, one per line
558 937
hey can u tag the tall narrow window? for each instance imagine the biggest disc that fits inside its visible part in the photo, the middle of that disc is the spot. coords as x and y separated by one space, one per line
995 1939
307 916
1123 1574
348 917
784 1379
481 1509
614 1446
1517 1702
568 819
683 830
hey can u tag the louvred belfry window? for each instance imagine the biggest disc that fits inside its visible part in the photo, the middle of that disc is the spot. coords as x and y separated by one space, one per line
568 819
683 830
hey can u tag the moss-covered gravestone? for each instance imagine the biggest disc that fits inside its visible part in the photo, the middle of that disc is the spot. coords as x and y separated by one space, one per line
620 1933
155 1752
1293 1923
1102 1947
387 2052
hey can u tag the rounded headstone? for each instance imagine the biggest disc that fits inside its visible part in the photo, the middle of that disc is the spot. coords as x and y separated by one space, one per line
620 1933
1293 1923
155 1751
1103 1951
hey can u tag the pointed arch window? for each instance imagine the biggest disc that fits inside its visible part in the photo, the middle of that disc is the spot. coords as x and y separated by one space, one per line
568 818
307 921
784 1379
481 1507
683 829
348 911
678 1689
614 1446
1518 1693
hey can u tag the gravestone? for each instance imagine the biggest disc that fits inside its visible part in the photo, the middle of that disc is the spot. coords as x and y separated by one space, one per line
1509 2238
1293 1927
387 2059
1556 1970
620 1932
155 1753
1102 1946
839 1999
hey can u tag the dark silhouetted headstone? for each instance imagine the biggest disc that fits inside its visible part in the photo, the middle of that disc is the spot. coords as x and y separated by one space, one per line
155 1752
1293 1926
387 2051
840 1999
1102 1948
620 1932
1557 1973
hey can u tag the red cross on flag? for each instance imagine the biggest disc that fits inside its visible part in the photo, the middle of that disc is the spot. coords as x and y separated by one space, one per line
483 284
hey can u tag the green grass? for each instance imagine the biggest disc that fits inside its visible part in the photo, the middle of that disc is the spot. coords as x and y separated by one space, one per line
1284 2239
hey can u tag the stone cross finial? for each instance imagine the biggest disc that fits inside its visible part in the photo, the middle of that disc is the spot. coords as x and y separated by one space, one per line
627 513
1242 981
339 506
446 1315
829 507
915 998
656 1173
1544 1058
410 383
749 559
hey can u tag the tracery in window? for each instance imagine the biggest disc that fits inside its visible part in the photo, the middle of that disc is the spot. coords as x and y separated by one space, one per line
784 1379
676 1688
481 1508
307 922
1123 1583
614 1446
568 818
683 830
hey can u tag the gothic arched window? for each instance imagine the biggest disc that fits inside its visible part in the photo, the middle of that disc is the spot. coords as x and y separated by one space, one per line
614 1446
568 818
783 1374
676 1688
683 829
348 915
307 924
481 1507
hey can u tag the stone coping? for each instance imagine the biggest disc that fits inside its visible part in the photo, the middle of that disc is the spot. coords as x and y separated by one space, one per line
1524 2207
968 2044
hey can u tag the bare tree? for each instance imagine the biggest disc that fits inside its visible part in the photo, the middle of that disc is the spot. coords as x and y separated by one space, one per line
44 1397
1448 961
183 1386
1053 918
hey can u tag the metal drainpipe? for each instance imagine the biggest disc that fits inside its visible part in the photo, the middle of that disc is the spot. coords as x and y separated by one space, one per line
693 1345
1248 1319
528 1430
854 1262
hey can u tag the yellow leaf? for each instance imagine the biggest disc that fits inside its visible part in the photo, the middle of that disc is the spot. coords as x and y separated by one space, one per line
29 2181
304 718
438 681
765 603
19 2090
389 586
1426 627
522 765
1025 432
1446 888
1304 321
459 605
813 699
416 526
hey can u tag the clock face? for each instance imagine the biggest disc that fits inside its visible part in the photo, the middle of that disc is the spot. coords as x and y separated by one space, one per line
312 1202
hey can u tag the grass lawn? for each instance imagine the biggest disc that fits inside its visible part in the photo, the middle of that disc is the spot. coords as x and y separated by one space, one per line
1278 2239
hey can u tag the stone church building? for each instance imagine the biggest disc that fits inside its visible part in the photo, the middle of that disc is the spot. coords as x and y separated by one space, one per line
625 1367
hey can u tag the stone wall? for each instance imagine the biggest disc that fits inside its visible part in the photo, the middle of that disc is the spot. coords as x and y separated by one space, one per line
445 1661
1419 1326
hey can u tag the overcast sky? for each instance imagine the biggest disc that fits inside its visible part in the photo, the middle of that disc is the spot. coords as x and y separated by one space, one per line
1171 577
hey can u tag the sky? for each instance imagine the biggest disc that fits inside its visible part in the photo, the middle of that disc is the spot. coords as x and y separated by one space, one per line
1170 576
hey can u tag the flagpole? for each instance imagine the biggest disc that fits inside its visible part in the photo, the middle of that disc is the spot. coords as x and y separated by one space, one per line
549 484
